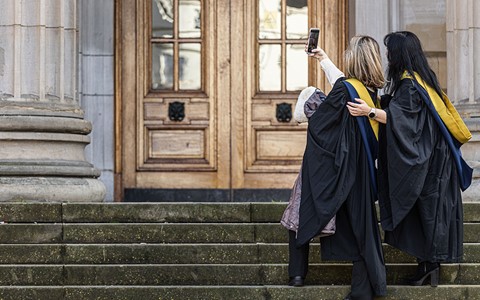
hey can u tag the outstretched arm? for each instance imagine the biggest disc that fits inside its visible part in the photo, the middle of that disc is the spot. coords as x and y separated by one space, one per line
331 71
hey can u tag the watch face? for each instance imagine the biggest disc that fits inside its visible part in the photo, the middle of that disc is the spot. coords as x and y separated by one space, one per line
371 115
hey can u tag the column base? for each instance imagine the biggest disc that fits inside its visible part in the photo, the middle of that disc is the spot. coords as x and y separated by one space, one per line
42 156
51 189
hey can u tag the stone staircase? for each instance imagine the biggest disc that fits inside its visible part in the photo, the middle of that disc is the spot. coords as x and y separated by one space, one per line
146 251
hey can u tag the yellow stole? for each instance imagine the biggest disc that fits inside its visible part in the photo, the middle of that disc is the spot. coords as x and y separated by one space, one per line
446 111
365 96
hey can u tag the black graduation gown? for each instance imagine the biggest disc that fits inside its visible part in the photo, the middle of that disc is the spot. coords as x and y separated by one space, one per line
419 193
335 180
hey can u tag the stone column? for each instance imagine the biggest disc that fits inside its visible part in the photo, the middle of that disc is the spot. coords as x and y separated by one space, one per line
463 57
42 131
373 18
463 42
96 93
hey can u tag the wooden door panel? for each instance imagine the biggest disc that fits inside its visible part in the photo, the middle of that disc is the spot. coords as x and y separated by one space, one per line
167 145
230 135
269 150
180 138
280 145
175 130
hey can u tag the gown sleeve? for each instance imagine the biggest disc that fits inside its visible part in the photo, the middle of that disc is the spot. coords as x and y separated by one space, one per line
329 163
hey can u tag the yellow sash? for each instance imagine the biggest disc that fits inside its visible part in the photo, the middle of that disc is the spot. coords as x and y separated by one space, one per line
365 96
446 111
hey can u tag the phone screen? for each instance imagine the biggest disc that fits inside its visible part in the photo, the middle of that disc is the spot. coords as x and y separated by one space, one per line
313 39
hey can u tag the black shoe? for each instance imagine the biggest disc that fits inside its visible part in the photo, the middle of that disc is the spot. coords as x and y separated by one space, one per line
296 281
424 270
350 297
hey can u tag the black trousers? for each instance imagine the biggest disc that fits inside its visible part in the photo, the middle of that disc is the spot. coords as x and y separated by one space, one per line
361 288
297 257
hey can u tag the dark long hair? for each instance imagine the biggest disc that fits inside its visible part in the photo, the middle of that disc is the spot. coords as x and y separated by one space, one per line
405 53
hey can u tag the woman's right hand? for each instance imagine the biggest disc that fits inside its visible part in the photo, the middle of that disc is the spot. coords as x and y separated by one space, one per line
317 53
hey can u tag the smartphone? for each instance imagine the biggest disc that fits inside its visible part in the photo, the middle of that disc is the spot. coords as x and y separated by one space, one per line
313 39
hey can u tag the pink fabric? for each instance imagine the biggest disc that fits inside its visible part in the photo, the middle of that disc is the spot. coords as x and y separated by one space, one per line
291 214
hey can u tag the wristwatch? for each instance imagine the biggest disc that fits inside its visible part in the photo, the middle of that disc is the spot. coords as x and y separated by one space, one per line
372 114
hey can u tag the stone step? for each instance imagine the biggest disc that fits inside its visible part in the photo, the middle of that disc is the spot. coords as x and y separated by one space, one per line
179 254
158 212
126 212
226 292
268 292
31 212
160 233
270 212
220 274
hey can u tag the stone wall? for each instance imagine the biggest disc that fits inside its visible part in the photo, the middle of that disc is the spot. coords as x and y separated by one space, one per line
427 20
96 83
42 131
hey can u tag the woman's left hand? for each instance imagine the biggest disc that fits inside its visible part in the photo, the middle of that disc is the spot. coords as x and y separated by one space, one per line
360 108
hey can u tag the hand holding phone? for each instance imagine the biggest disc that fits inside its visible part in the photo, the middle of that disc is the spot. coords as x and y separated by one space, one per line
312 39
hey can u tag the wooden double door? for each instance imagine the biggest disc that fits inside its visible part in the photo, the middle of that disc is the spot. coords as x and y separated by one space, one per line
205 89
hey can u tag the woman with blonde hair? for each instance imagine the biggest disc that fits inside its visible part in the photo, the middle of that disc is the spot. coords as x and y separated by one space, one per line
338 171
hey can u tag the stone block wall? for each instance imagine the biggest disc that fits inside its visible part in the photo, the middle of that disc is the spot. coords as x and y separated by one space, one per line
96 83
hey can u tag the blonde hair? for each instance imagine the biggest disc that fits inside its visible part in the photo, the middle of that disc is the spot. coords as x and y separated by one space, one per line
363 61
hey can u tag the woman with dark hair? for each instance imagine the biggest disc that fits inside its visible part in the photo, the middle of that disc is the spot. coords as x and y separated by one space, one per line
337 177
420 168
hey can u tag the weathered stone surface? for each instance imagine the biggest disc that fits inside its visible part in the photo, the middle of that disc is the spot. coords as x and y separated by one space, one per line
465 274
471 233
50 275
393 292
191 259
161 212
328 292
267 212
179 254
31 254
272 212
30 212
324 292
153 213
278 253
43 134
340 273
427 293
213 274
270 233
471 212
50 189
30 234
162 274
158 233
167 292
31 293
471 253
161 254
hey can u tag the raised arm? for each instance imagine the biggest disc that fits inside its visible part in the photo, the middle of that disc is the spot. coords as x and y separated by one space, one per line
331 71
